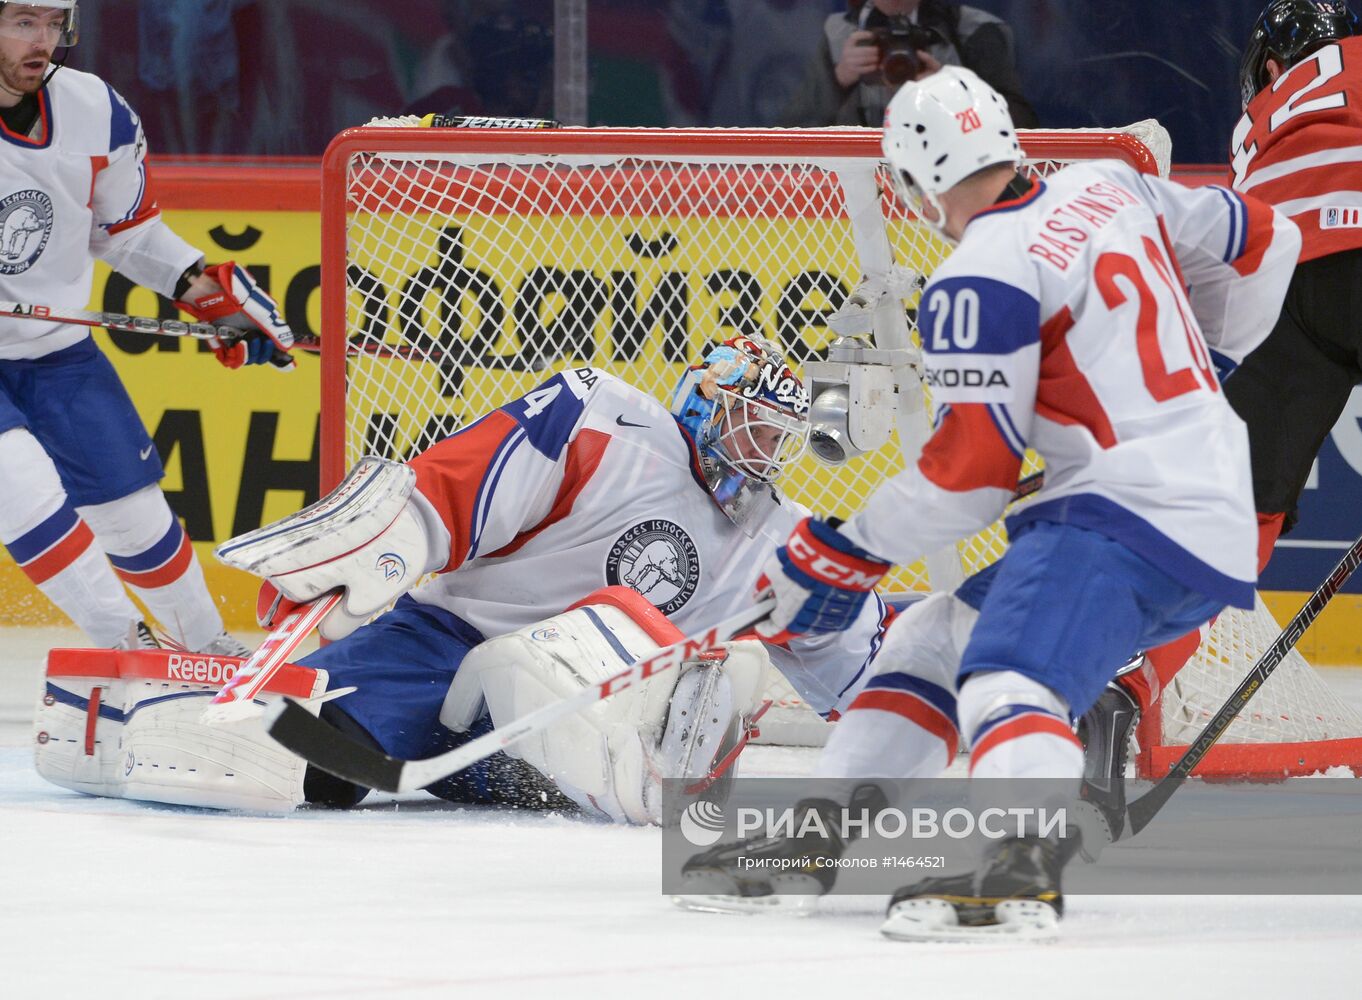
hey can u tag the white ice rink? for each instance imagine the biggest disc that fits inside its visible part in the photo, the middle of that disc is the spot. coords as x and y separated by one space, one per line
416 898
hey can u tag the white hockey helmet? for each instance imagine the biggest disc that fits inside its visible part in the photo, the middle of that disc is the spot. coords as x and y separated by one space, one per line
940 130
70 25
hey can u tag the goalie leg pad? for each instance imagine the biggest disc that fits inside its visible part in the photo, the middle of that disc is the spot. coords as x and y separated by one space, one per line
607 758
125 724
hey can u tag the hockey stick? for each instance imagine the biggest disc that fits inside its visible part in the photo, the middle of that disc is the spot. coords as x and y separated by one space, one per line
233 701
156 327
1143 809
121 322
297 729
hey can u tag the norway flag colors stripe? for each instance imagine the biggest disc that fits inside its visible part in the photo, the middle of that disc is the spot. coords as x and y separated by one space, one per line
45 550
919 701
159 566
1019 721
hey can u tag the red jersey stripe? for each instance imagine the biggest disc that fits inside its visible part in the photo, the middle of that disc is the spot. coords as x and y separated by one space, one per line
1063 393
1023 725
161 576
449 474
584 455
61 555
915 710
968 452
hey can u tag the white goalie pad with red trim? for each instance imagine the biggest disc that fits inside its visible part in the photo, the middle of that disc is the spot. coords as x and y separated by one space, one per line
125 724
610 757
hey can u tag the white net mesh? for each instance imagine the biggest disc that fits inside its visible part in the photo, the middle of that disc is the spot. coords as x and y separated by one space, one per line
475 264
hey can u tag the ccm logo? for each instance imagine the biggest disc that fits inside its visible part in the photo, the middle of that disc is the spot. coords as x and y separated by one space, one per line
209 671
819 565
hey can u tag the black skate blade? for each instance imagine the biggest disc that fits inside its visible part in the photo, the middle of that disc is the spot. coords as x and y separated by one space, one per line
297 729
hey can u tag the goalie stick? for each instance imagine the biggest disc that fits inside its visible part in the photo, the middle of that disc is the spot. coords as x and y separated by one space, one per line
1142 810
233 701
297 729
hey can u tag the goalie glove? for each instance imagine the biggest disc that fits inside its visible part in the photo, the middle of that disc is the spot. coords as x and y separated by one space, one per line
241 302
820 581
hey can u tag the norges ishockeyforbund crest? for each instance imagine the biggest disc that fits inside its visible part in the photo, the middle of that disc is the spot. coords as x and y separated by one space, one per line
658 559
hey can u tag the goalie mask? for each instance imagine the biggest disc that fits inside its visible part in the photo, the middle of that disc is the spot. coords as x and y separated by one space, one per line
748 416
33 22
940 130
1288 31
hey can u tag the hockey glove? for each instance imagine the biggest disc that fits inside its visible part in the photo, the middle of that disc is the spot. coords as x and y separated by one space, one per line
242 303
819 580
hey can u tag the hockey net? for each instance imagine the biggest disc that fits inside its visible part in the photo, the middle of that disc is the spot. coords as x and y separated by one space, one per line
463 266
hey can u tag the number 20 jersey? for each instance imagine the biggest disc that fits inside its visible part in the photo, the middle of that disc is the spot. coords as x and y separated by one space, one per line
1079 320
1297 147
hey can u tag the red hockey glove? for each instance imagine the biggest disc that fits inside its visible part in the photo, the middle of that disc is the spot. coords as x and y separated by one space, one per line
244 304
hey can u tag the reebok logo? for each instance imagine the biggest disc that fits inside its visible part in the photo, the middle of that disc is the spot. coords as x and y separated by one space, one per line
201 670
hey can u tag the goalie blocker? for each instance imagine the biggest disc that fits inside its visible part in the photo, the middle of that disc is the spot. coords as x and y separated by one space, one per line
127 724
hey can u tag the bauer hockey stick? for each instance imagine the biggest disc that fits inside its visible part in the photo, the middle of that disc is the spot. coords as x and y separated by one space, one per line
234 700
1143 809
297 729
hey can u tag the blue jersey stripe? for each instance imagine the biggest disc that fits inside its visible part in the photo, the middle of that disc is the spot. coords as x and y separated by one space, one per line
158 555
48 533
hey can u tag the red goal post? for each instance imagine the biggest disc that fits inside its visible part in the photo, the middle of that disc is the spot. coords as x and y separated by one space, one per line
461 266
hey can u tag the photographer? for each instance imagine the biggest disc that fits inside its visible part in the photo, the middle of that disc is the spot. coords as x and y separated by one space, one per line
877 45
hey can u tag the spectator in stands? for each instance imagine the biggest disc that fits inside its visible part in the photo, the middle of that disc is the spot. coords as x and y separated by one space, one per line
847 82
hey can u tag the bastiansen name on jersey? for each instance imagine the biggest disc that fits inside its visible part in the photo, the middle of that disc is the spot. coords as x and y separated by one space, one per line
1296 148
1063 322
74 189
586 482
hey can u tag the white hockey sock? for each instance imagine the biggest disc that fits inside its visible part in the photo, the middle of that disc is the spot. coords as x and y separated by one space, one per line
152 554
54 547
899 726
1018 728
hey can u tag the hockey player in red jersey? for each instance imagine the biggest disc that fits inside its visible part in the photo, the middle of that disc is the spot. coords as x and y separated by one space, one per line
1296 149
80 508
1075 316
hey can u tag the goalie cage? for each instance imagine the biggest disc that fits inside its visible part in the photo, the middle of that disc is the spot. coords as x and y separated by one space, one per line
462 266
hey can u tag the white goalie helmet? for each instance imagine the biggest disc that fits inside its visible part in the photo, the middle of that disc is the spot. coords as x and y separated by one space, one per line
14 25
940 130
747 413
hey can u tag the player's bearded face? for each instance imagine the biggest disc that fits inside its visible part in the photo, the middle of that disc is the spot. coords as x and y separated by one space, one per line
28 37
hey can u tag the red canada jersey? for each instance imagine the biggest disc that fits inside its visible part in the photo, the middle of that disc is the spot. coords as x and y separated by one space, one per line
1298 147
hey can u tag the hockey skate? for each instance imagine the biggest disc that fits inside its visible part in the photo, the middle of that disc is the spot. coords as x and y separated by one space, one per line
1016 895
226 644
1105 732
774 874
140 636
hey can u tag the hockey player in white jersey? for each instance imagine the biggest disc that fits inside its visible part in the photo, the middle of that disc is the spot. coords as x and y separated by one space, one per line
1077 316
584 494
80 508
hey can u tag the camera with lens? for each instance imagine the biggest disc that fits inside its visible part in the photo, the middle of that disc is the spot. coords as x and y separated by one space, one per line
899 42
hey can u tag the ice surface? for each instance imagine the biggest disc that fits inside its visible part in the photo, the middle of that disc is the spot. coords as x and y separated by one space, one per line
410 897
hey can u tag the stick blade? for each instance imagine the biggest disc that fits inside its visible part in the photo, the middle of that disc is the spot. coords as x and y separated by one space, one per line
297 729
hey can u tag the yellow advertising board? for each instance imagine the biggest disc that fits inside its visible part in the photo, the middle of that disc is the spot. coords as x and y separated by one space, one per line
240 447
